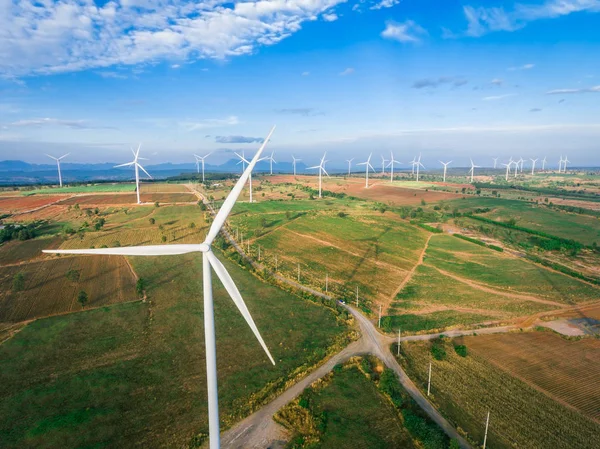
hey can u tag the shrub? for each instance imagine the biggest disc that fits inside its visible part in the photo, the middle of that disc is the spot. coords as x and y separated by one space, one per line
82 298
438 351
140 286
73 275
152 221
389 384
18 282
461 350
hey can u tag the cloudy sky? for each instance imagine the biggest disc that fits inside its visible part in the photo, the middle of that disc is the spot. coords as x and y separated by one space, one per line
452 79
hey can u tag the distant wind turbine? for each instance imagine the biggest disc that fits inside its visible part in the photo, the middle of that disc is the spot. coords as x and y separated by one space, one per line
349 165
413 162
495 159
520 162
544 164
271 160
209 260
294 163
322 170
367 165
533 161
383 161
473 167
560 162
57 159
244 161
418 164
510 162
391 165
565 166
137 166
445 164
201 159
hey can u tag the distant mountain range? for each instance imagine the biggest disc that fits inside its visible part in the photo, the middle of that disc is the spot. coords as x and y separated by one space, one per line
20 172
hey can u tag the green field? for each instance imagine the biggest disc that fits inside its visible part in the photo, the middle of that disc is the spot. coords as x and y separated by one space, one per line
134 374
464 389
95 188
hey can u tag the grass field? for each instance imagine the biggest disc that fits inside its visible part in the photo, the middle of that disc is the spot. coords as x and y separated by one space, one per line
47 291
351 413
465 388
90 188
134 374
129 199
19 251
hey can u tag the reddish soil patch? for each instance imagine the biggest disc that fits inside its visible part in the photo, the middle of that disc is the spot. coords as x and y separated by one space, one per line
25 203
379 190
130 198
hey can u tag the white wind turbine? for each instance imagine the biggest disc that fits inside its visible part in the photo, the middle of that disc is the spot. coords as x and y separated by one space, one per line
137 166
495 159
367 165
322 170
209 260
201 159
383 161
391 165
418 164
244 161
413 162
472 171
294 163
445 164
510 162
57 159
349 165
271 160
533 161
565 164
520 162
560 161
544 164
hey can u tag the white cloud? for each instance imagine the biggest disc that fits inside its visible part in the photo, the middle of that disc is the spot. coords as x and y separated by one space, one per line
194 125
497 82
114 75
330 17
73 124
385 4
305 73
595 89
522 67
49 36
347 71
498 97
484 20
407 31
175 66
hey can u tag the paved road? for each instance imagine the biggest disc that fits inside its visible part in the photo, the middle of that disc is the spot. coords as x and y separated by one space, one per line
260 431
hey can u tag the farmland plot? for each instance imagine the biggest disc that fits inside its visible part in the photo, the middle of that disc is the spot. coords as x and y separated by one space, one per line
20 251
12 204
162 187
47 290
126 198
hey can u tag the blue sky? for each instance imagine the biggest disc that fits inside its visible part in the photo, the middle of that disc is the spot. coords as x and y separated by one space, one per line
452 79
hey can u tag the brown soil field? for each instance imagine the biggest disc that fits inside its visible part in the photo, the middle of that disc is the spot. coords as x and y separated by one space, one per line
25 203
163 188
565 370
17 251
106 280
54 212
129 198
378 190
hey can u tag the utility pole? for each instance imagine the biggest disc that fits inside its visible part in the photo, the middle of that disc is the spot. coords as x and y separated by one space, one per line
248 247
398 341
429 381
298 272
357 296
487 423
275 262
326 283
379 322
259 253
236 233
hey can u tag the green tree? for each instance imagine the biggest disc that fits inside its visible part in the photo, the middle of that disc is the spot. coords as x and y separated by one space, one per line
73 275
18 282
192 225
140 286
82 298
163 238
156 204
152 221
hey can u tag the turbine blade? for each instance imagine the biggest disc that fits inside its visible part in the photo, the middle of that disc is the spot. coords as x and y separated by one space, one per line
325 171
316 166
233 291
234 194
52 157
150 250
124 165
362 163
65 155
144 170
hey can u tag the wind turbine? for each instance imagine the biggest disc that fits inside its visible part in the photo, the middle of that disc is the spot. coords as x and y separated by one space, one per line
349 164
137 166
322 170
495 159
294 163
560 161
510 162
565 166
413 162
271 160
473 167
533 161
367 165
57 159
383 161
209 260
201 159
244 161
544 164
391 164
445 164
520 161
418 164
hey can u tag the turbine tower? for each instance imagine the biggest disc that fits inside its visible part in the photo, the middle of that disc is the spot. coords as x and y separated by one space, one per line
533 161
510 162
322 170
244 161
418 164
294 163
383 161
367 165
201 159
349 164
520 162
391 164
445 164
544 164
137 166
413 162
57 159
560 161
210 262
565 164
495 159
271 160
473 167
